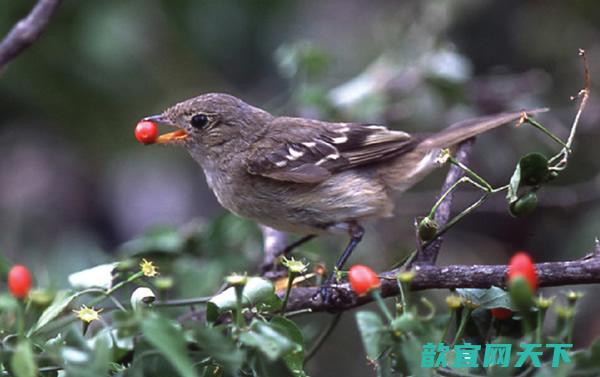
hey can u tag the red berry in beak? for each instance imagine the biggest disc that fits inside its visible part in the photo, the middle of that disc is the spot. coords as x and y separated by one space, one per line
146 132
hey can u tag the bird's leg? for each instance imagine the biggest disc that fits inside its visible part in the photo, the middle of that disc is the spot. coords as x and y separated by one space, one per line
356 233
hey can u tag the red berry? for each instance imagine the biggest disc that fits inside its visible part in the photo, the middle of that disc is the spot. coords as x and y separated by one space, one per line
19 281
363 279
501 313
146 132
522 265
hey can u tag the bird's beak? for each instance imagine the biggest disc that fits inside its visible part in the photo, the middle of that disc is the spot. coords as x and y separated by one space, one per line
168 138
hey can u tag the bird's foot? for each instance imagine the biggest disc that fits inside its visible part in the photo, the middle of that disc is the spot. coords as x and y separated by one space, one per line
326 293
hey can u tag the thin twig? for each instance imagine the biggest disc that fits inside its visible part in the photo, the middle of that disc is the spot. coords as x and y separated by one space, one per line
429 253
27 31
323 337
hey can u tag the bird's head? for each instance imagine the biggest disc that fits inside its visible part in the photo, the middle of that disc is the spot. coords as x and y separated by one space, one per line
210 124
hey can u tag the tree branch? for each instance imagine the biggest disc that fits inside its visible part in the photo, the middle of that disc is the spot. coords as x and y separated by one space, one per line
582 271
27 31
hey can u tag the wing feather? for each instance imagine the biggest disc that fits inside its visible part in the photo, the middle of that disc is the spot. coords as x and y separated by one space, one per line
311 151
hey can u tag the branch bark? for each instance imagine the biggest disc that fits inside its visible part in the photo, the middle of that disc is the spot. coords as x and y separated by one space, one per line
582 271
27 31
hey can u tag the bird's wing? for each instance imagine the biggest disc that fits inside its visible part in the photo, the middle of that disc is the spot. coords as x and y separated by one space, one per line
310 151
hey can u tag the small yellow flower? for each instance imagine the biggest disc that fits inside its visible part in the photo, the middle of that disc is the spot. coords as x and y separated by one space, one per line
543 302
454 302
87 314
294 266
443 157
148 268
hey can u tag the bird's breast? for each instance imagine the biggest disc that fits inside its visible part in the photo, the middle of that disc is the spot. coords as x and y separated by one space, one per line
301 208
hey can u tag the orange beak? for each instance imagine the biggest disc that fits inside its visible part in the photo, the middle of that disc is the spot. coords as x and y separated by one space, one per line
170 137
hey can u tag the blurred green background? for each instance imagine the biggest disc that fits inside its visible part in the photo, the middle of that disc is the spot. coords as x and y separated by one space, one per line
75 185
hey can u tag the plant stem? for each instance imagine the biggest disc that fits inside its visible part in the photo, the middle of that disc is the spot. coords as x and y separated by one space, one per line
239 318
540 324
447 327
403 298
570 326
584 95
552 136
463 324
20 320
182 302
322 337
381 303
470 172
288 289
133 277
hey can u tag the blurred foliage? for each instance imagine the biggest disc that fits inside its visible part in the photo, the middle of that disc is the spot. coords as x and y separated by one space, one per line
76 186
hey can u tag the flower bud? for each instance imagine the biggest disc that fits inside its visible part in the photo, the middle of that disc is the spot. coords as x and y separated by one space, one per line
525 205
427 229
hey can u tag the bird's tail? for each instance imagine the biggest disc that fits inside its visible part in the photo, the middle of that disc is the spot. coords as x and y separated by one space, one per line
411 167
469 128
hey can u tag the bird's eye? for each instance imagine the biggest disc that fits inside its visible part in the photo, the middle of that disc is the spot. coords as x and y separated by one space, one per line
199 121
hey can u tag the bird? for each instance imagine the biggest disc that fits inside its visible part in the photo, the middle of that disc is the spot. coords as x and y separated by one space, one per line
307 176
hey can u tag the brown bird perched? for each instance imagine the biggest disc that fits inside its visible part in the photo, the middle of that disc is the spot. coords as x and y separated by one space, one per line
306 176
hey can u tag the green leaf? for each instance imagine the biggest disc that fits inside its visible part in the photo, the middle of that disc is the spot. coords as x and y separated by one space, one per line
411 350
22 361
266 339
221 348
90 361
534 169
513 187
407 322
371 330
169 340
294 359
257 292
7 303
212 312
60 303
490 298
588 360
262 366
